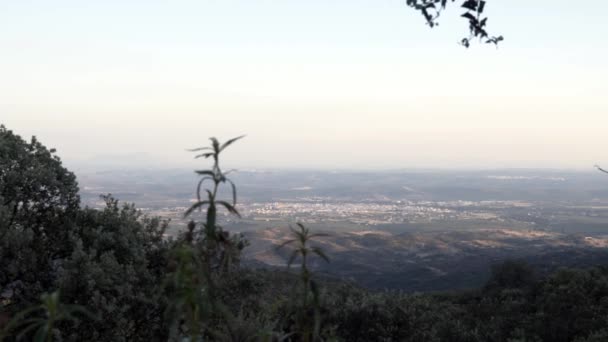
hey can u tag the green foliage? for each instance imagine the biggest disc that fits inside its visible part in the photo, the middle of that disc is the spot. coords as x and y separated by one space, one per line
37 198
189 300
116 269
572 303
511 274
432 9
109 261
40 322
118 264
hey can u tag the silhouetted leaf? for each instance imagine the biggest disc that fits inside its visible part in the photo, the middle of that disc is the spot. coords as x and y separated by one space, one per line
318 235
229 142
206 172
216 144
600 169
200 184
195 206
318 251
199 149
469 16
292 258
470 5
285 243
233 191
205 155
229 207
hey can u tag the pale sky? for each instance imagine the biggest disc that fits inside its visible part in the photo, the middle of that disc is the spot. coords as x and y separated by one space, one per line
315 83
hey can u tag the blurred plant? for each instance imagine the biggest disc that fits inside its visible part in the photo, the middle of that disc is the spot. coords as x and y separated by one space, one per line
600 169
201 254
308 328
42 320
221 250
188 300
249 328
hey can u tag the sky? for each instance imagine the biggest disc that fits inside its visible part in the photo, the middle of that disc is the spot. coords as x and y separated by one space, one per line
358 84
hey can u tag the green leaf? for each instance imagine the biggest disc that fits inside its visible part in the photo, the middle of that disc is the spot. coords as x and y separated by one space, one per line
41 334
27 330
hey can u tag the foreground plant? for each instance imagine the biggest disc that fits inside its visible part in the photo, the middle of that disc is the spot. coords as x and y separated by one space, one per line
221 250
203 254
309 327
189 304
40 322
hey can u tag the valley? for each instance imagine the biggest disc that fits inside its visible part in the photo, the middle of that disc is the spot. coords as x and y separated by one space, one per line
412 231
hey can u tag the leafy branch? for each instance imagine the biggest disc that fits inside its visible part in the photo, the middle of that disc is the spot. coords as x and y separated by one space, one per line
432 9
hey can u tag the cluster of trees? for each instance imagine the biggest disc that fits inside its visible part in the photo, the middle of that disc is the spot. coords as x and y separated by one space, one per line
78 274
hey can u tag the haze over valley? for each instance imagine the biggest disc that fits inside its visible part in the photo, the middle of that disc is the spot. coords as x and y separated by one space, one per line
415 230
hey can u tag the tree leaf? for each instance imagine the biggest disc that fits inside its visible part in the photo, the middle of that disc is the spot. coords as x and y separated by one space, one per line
206 172
469 16
470 5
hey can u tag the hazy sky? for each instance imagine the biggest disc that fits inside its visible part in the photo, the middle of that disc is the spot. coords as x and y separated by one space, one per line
314 83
